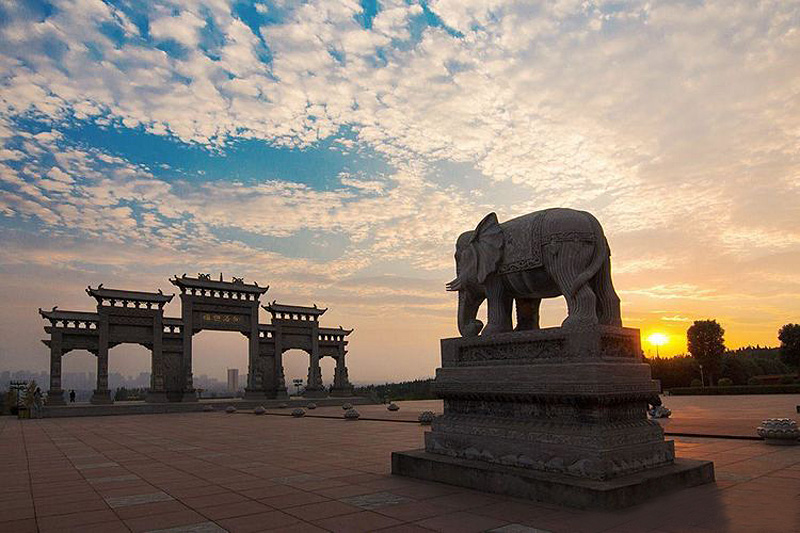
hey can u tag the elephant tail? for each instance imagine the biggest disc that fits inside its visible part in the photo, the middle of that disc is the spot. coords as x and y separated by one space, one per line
601 255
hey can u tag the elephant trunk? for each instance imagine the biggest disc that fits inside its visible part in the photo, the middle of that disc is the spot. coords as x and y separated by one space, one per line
468 304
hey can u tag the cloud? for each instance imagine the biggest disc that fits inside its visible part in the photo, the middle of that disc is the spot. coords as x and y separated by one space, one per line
676 123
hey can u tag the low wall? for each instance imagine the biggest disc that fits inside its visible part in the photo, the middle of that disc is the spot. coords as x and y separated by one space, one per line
143 408
735 389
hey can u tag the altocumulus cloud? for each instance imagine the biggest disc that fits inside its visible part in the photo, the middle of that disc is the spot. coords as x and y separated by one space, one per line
677 123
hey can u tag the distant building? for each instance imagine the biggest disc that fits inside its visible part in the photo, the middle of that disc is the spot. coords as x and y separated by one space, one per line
233 379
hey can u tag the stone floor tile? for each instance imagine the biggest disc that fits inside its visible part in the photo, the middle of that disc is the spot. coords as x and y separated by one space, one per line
286 501
514 511
413 511
376 500
137 499
214 499
405 528
150 509
19 526
79 518
194 491
344 491
461 522
45 508
357 522
115 526
164 521
300 527
15 511
230 510
318 511
516 528
270 520
94 466
202 527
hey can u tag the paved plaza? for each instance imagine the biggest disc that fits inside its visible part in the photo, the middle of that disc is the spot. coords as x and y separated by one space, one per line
212 472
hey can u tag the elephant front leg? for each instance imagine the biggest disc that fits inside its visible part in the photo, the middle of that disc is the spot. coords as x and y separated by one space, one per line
499 305
527 313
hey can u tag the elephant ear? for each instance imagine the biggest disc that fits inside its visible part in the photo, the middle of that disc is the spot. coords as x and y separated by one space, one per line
488 243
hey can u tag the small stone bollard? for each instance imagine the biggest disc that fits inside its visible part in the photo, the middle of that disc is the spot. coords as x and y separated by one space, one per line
299 412
208 408
230 409
312 405
426 417
260 410
283 405
347 406
779 431
351 414
393 407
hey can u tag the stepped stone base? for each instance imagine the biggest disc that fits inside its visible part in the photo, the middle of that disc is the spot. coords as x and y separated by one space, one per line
563 406
55 397
551 487
101 397
344 392
315 393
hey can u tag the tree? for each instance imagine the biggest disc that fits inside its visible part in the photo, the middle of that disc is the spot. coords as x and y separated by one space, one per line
706 340
789 335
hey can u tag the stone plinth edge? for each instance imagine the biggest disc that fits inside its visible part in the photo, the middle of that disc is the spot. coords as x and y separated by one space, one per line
553 488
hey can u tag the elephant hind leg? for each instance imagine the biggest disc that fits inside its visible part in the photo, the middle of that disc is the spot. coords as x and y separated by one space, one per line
608 311
527 313
567 261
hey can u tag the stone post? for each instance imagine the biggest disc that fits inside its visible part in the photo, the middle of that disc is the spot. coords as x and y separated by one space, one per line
101 394
255 373
157 392
189 394
314 387
341 381
280 379
55 396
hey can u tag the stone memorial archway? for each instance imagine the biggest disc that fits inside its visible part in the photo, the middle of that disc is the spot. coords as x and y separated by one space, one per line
138 317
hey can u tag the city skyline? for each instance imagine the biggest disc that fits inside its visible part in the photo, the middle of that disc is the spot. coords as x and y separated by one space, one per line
335 151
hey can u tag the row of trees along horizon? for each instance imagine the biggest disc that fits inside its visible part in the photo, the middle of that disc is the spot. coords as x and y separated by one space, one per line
751 365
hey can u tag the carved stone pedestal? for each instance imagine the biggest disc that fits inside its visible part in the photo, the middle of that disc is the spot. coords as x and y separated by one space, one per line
281 393
100 397
315 393
252 394
55 397
524 411
189 396
342 392
156 397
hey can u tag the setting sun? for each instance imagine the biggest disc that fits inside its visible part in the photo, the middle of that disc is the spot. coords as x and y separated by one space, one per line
658 339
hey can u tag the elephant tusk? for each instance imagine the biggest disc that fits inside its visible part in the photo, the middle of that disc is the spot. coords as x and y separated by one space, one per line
453 285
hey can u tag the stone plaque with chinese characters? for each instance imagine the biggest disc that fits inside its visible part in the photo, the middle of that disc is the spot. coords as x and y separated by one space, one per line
213 320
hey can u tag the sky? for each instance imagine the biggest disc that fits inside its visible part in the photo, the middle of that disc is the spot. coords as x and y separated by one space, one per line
334 150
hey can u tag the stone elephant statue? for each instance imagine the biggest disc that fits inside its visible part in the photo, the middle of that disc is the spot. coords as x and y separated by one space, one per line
543 254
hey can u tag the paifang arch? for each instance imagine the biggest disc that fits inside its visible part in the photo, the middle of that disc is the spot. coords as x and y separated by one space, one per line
138 317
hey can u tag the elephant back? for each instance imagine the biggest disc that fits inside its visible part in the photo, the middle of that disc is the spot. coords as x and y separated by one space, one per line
522 242
525 236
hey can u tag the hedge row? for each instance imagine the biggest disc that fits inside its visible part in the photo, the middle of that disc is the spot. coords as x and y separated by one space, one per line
736 389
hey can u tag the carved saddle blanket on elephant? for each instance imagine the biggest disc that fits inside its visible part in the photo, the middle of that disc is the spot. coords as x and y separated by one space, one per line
525 236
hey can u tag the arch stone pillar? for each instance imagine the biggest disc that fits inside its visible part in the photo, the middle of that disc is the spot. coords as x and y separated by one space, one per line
101 393
341 381
314 385
55 396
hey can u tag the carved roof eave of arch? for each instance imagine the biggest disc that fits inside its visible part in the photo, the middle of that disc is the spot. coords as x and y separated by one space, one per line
101 293
56 314
185 281
275 307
